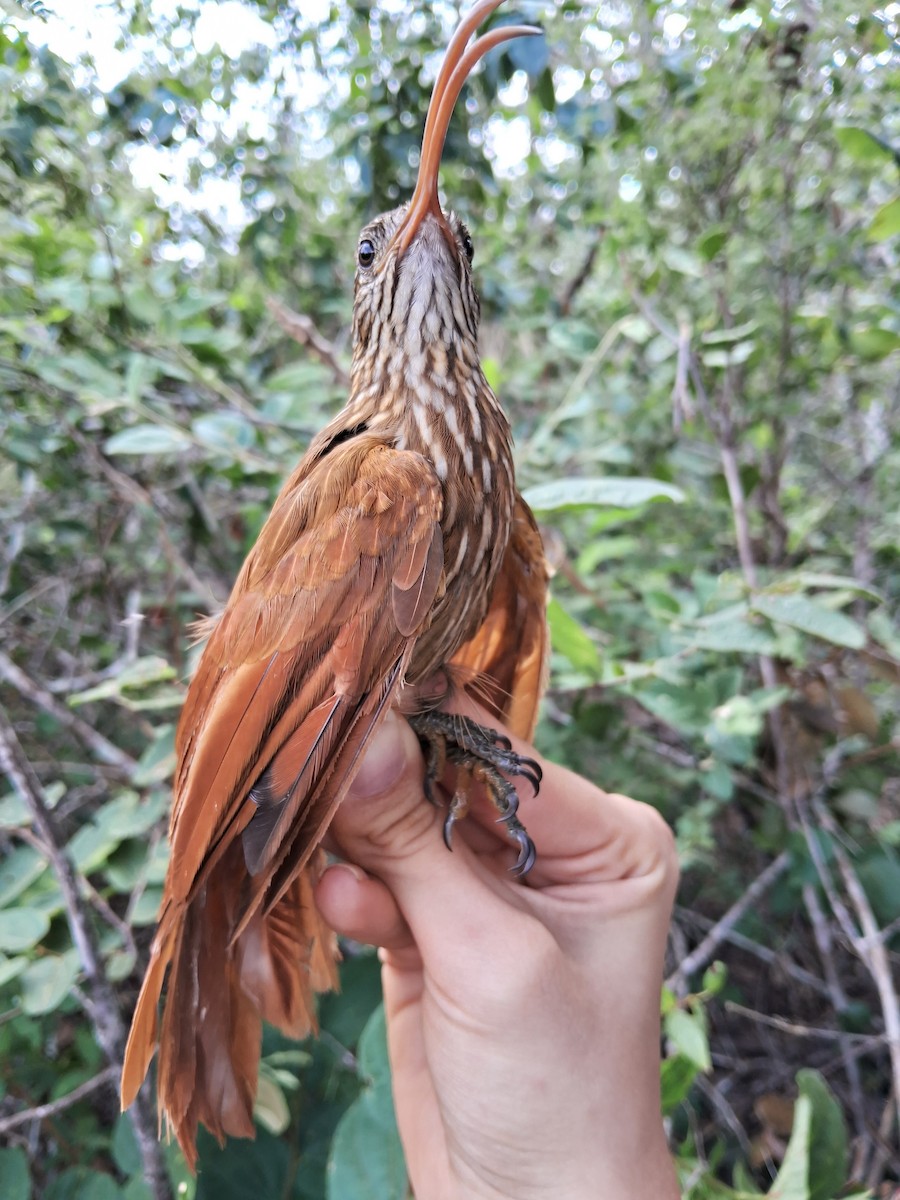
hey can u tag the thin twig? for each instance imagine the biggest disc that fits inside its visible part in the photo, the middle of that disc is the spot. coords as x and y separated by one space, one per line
41 1111
702 954
577 282
130 490
303 330
100 1001
824 942
775 959
861 1040
99 746
870 947
710 1089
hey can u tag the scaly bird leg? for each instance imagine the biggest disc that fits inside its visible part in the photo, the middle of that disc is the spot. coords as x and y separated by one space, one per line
479 755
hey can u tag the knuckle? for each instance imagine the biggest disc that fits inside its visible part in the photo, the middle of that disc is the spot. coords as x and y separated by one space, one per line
654 840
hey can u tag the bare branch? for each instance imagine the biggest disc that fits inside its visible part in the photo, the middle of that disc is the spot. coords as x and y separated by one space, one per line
773 958
99 746
702 954
303 330
42 1111
824 941
862 1040
100 1001
870 947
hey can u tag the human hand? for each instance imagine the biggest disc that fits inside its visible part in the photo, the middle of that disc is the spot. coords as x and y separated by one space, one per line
523 1020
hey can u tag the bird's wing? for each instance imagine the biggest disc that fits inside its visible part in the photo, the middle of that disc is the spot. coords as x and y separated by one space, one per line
295 676
311 646
507 660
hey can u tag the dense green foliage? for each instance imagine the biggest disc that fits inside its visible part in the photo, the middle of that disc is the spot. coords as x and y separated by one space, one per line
689 311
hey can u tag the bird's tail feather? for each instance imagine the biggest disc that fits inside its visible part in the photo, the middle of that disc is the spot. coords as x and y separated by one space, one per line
218 995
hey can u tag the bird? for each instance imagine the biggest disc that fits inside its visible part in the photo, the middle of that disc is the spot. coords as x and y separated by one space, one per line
399 566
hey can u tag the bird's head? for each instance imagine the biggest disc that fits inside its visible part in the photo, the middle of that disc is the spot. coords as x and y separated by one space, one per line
414 284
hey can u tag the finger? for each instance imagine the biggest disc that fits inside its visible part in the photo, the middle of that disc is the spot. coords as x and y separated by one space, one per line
360 907
412 1079
387 827
580 831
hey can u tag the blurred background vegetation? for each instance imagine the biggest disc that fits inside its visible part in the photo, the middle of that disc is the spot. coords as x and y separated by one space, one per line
686 220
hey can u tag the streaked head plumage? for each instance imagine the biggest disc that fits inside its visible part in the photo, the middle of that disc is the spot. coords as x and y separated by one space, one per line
414 263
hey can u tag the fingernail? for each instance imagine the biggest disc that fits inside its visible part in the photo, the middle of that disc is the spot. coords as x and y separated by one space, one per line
357 872
384 760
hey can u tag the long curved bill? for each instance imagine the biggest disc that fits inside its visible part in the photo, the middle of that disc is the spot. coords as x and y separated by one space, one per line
455 70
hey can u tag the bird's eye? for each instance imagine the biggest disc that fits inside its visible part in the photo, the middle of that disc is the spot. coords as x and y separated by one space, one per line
365 255
468 247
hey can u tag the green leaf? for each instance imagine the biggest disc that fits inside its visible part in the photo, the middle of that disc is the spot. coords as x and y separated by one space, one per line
135 677
831 582
46 983
366 1155
682 261
270 1108
886 222
732 637
677 1076
792 1181
616 491
828 1154
873 342
569 638
157 763
224 431
687 1032
22 928
20 868
148 439
812 618
862 145
15 1183
90 847
125 1151
11 968
730 356
727 337
709 244
13 812
81 1183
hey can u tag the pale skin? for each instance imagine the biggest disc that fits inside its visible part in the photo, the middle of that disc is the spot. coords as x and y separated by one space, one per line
523 1018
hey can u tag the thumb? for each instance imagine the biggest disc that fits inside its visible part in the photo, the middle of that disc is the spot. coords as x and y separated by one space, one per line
385 824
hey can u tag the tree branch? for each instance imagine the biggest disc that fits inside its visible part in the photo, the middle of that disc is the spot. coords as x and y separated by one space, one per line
702 954
99 746
302 329
41 1111
101 1005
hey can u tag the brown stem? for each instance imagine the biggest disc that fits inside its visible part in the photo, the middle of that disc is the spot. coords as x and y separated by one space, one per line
303 330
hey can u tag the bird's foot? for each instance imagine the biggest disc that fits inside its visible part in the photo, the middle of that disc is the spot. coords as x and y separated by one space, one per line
480 755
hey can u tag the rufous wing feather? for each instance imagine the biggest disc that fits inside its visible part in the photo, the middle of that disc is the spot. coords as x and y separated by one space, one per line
293 681
506 663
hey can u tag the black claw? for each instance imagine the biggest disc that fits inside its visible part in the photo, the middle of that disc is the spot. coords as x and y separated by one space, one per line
527 854
512 806
486 753
533 779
